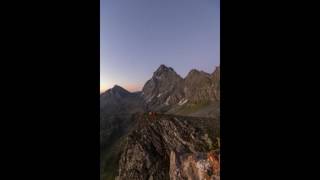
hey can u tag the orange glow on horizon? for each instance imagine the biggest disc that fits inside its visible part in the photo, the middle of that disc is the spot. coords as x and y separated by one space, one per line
129 87
103 87
133 87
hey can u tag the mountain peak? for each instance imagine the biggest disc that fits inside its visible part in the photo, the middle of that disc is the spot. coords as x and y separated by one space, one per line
193 71
117 91
163 67
164 88
216 72
118 88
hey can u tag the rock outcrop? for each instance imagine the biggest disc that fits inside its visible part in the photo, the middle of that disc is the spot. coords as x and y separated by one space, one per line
216 83
167 92
148 149
163 89
198 87
176 143
195 166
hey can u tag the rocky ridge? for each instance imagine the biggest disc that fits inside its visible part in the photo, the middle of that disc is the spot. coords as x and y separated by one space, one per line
170 146
167 92
149 150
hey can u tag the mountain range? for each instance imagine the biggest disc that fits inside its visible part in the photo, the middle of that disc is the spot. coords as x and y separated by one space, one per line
196 97
167 92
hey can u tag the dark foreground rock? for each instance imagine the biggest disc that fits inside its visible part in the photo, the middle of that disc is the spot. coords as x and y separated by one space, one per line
195 166
150 149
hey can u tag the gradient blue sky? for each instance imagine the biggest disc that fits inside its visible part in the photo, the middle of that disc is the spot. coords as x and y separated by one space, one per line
136 36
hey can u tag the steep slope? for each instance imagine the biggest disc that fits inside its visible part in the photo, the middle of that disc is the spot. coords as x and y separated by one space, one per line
202 95
149 148
165 88
116 108
216 83
136 140
197 87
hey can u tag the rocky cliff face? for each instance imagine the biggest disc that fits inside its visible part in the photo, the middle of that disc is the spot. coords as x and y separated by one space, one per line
195 166
148 150
167 146
166 91
163 89
198 87
216 83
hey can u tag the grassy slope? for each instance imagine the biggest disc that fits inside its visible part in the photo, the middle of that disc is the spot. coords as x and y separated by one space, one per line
110 159
110 155
203 109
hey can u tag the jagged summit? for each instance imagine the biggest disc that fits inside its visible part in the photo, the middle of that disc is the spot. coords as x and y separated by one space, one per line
116 91
196 72
193 71
216 72
118 88
163 66
166 87
129 137
163 69
163 89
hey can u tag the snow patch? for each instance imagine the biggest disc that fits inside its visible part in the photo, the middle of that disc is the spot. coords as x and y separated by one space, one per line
159 95
150 99
167 101
158 77
183 101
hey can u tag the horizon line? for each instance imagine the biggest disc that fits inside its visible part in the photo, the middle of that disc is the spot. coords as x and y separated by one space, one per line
140 89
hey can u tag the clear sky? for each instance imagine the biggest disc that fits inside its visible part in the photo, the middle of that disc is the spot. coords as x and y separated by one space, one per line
137 36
